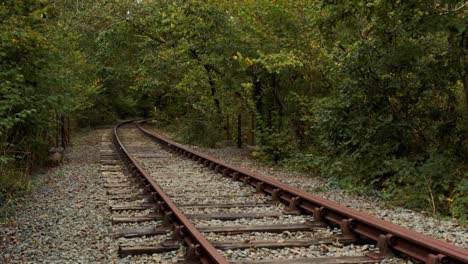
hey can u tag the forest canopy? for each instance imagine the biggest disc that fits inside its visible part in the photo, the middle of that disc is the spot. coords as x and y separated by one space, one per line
370 94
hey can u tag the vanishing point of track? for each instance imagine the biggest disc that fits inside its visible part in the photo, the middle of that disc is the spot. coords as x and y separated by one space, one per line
208 215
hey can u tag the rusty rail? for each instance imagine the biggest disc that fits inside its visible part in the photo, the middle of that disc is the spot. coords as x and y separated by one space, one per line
398 239
197 245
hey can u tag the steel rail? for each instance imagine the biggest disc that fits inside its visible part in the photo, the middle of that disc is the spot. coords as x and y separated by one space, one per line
397 238
198 246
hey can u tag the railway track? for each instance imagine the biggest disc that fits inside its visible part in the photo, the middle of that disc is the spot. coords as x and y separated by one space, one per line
184 206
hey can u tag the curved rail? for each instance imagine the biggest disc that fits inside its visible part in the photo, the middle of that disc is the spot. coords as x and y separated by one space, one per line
399 239
198 246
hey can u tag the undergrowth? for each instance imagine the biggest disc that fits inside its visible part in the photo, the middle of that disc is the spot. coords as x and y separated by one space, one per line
437 185
14 183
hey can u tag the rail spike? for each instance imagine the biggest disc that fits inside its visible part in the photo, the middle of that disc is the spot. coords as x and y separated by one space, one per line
293 207
346 231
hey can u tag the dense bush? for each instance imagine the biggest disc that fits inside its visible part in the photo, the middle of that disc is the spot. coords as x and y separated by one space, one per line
42 76
371 93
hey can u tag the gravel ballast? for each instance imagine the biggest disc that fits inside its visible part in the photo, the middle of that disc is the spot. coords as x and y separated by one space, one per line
64 219
449 231
187 182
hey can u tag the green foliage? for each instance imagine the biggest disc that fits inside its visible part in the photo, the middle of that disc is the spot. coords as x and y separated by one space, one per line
424 184
275 146
459 200
368 93
392 124
362 92
195 129
23 102
12 183
42 75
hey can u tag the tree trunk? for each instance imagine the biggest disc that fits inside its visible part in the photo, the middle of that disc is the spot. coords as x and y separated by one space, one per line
465 87
57 130
252 131
62 130
458 49
464 47
213 89
257 95
68 130
464 61
278 102
209 69
239 131
270 119
228 128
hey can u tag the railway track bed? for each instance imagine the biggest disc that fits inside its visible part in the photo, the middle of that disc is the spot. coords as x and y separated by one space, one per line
132 211
68 216
207 211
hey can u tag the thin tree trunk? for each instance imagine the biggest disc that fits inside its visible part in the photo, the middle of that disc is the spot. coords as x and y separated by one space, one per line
63 133
213 89
68 130
228 128
270 119
257 96
209 69
464 61
57 130
252 131
464 48
278 102
239 131
465 87
457 49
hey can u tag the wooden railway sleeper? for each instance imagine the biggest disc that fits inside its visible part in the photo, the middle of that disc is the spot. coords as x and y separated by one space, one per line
170 243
